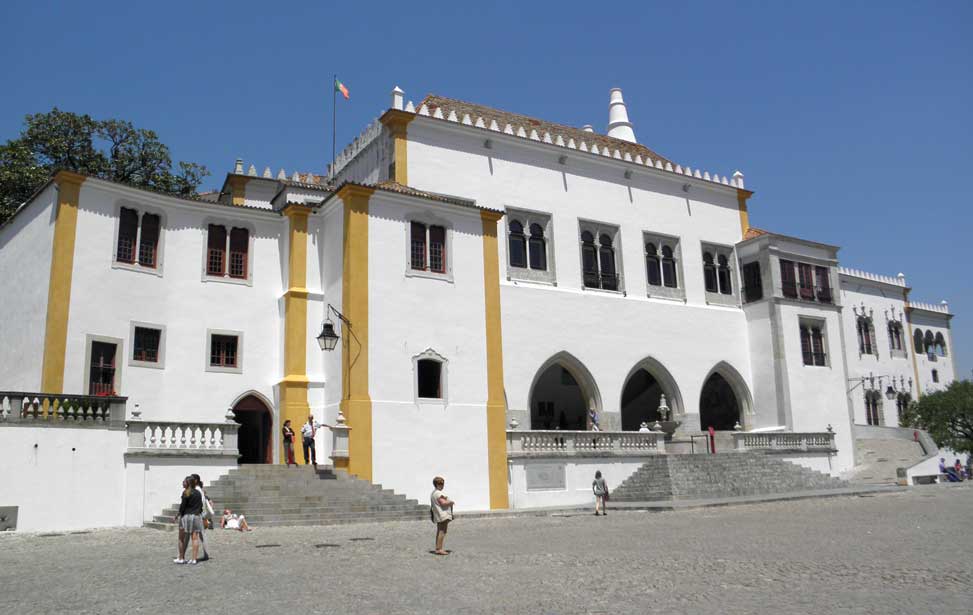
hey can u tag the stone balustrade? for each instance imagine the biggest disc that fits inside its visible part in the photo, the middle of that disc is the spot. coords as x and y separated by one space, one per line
785 441
50 409
557 443
182 438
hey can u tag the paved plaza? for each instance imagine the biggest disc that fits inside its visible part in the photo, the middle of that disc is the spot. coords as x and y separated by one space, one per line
906 552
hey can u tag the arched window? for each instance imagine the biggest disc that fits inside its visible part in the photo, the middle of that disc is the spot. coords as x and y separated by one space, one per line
538 248
929 341
723 275
517 244
652 265
128 224
589 260
606 260
864 327
669 268
873 408
917 342
239 251
895 335
940 345
709 273
902 402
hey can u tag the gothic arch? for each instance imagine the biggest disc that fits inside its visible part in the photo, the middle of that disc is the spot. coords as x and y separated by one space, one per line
590 397
658 373
737 385
255 438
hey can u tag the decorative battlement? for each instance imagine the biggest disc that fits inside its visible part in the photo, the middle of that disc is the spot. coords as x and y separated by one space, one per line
300 178
942 307
363 140
898 280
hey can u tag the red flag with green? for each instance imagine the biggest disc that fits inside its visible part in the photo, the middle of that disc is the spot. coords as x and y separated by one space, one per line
340 87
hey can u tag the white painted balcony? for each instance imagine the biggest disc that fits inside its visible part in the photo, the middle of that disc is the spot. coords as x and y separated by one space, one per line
557 443
175 438
61 410
785 442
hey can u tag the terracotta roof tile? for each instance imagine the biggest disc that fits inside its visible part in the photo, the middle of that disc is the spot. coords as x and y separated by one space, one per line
754 232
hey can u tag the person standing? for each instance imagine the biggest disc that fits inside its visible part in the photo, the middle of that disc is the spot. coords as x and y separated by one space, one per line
181 535
288 432
190 520
307 433
207 515
441 512
600 488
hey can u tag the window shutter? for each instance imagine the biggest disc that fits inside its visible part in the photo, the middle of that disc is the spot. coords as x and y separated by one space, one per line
128 222
239 252
418 242
437 249
149 241
216 252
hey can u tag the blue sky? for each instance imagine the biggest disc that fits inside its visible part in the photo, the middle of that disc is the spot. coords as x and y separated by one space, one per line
851 120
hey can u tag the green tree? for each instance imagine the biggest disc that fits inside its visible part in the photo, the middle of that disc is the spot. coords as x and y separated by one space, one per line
110 149
946 415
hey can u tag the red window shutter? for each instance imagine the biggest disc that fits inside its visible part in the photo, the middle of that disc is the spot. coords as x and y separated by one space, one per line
418 250
807 280
216 250
128 222
239 252
149 241
437 249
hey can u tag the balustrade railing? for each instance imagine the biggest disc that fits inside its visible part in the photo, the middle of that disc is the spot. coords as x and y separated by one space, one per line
59 409
568 443
175 437
784 441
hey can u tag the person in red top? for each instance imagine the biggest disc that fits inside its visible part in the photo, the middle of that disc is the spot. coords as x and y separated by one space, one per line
288 432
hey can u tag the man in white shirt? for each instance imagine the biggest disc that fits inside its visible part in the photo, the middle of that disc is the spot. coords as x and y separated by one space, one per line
307 435
441 511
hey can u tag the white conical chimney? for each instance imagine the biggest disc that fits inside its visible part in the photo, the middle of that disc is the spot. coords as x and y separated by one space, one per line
588 128
618 125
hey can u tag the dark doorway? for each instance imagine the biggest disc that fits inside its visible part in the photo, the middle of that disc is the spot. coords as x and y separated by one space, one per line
558 401
718 405
254 438
640 401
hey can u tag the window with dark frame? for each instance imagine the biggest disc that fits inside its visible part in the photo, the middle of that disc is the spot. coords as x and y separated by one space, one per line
537 246
788 280
864 330
752 282
652 265
806 276
145 345
935 375
709 273
149 240
606 263
806 345
429 379
589 260
223 350
822 278
418 243
812 345
517 243
216 250
437 249
723 275
128 224
940 344
817 346
873 415
239 252
101 374
917 341
669 277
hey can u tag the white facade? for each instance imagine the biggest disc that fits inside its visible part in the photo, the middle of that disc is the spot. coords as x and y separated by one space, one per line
721 329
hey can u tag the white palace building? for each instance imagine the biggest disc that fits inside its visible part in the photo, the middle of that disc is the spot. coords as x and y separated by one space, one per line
500 287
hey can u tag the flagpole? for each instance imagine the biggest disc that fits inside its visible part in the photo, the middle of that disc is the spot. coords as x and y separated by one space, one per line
334 115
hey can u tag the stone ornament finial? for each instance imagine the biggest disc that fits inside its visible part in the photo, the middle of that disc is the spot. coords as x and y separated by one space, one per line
230 415
514 423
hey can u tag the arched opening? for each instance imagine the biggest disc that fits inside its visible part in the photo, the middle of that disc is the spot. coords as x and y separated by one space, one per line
718 404
562 394
645 385
254 438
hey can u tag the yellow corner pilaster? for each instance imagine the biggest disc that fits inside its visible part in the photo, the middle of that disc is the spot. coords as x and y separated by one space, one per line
742 196
293 388
496 407
397 122
356 404
59 285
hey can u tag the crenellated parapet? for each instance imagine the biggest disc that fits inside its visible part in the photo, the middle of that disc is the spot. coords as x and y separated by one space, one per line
898 280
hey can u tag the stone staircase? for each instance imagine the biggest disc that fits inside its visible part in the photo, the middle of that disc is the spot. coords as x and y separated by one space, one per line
876 460
275 495
691 477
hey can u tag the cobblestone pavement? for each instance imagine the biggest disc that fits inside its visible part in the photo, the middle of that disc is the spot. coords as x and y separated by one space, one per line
890 553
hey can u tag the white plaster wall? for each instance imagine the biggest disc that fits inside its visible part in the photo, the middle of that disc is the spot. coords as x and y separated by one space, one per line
26 242
823 463
412 441
154 483
104 301
930 466
63 478
767 399
258 193
579 474
817 393
882 301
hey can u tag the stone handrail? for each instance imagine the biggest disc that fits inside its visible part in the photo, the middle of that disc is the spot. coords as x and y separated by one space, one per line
785 441
586 443
182 438
58 409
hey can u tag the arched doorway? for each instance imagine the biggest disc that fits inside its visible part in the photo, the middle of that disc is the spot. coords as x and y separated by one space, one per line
641 395
562 393
256 427
718 405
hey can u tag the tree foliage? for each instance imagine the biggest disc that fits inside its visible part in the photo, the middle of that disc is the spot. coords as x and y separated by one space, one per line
111 149
946 415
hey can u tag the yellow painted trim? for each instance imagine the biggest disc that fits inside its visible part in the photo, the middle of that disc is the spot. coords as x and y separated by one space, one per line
742 196
912 345
293 387
356 404
496 412
238 189
59 285
397 122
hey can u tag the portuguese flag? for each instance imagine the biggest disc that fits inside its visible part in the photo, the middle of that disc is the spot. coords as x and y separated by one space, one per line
340 87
